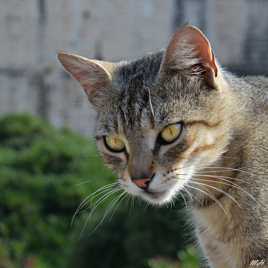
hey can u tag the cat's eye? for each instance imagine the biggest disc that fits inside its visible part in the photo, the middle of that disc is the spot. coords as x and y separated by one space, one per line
114 143
171 133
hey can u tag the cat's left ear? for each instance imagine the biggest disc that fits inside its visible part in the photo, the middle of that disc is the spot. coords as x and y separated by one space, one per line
93 75
189 50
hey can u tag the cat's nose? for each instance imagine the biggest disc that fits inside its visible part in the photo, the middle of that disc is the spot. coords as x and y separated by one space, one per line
142 183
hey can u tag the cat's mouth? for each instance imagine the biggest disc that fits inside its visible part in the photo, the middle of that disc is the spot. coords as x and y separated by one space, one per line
158 197
156 194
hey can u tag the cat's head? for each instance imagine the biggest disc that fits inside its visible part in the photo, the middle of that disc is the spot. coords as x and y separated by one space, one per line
160 118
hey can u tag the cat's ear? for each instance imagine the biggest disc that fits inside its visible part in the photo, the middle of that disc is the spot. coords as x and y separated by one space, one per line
93 75
190 50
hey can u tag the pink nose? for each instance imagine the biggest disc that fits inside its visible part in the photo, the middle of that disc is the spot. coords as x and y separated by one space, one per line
142 183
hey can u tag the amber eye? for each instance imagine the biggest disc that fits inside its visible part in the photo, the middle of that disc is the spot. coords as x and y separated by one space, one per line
170 133
114 143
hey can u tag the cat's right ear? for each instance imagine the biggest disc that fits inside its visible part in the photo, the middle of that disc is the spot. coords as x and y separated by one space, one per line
93 75
189 51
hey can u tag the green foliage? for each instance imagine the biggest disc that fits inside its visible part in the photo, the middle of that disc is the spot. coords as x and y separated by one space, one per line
4 259
135 235
39 171
161 263
44 174
187 259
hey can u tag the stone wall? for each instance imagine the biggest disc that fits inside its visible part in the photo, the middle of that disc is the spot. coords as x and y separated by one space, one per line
32 31
237 29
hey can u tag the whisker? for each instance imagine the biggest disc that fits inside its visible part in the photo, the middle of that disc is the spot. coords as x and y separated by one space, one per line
188 193
219 190
117 205
91 180
133 201
101 190
92 197
222 168
196 175
184 200
98 203
222 178
232 185
107 186
216 176
108 210
233 169
172 202
211 197
211 176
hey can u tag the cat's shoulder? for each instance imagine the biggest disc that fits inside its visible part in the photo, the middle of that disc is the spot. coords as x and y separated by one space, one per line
258 91
250 92
259 82
252 88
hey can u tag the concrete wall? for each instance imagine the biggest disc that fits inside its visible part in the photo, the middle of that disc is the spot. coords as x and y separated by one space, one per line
237 29
32 31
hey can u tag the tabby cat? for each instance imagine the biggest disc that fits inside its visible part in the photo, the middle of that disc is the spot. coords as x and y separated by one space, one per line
176 122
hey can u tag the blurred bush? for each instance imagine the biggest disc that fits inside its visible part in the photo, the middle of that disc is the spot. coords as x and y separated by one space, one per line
40 167
44 174
132 237
187 259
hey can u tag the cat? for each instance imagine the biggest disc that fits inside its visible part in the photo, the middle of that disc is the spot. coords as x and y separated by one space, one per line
176 122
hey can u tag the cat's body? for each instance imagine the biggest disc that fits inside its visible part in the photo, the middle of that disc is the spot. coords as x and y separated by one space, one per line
174 121
240 239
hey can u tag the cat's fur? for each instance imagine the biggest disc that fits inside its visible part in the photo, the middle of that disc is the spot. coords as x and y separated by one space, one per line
224 144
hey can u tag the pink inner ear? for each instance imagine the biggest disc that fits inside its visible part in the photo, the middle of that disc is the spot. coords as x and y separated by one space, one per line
203 49
93 78
91 75
90 89
80 75
197 40
83 77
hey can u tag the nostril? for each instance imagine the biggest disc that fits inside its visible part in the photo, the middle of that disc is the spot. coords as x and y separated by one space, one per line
142 183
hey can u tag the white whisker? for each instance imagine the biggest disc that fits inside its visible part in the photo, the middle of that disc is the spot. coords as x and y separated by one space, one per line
211 197
232 184
219 190
109 209
188 193
184 200
101 190
98 203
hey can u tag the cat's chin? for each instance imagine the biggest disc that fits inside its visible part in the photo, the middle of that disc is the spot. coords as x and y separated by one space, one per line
159 198
157 193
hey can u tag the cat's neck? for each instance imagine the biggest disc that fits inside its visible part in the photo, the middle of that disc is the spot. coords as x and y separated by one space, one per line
224 173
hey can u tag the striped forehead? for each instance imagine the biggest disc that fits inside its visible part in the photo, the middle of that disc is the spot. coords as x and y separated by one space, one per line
134 80
134 108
